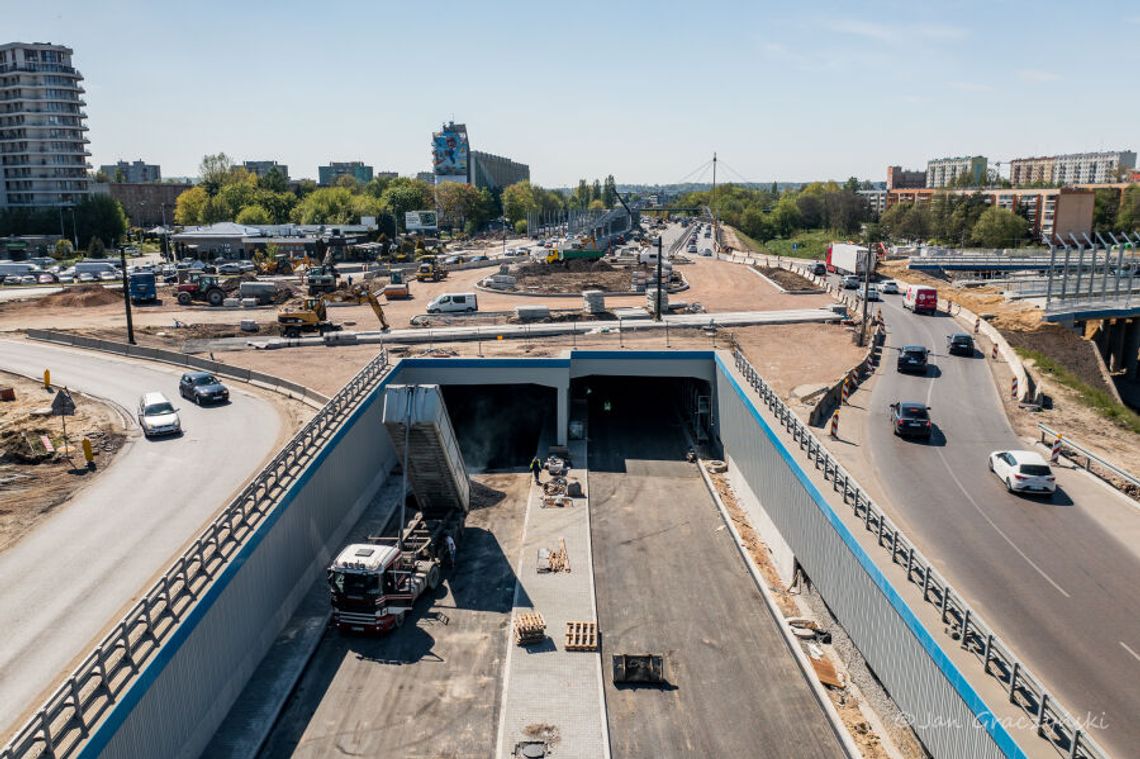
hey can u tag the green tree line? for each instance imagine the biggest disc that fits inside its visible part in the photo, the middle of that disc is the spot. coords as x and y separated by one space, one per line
95 218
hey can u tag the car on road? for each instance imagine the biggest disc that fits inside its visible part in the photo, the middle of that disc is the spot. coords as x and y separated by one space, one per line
202 387
872 293
450 303
707 252
911 419
819 269
692 247
890 287
913 358
1023 472
960 344
850 282
157 416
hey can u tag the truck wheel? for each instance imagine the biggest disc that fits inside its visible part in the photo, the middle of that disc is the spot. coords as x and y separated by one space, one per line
433 577
215 297
184 299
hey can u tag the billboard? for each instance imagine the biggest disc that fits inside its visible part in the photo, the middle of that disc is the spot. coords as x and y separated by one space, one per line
450 153
416 221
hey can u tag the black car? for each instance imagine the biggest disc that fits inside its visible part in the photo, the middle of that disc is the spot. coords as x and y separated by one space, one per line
820 270
202 387
960 344
912 358
909 419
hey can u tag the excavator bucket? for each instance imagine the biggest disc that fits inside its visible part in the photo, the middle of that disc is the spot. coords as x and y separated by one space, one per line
639 668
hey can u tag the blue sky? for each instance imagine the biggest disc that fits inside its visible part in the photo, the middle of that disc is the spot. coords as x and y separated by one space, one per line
645 91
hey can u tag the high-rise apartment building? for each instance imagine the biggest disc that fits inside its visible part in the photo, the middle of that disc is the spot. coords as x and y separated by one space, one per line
495 172
43 147
135 172
946 172
1073 168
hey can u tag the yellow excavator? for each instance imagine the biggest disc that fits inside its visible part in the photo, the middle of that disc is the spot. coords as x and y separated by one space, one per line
311 314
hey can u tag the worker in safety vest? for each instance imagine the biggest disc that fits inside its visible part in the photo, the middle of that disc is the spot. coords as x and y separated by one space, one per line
535 468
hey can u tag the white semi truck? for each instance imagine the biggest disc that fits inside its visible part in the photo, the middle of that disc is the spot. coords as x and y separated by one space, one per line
374 585
845 258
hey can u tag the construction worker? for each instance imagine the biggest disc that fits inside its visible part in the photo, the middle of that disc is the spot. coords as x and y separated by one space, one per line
451 549
535 468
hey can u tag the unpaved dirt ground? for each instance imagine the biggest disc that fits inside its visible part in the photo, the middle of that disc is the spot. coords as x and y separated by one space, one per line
788 280
574 278
33 481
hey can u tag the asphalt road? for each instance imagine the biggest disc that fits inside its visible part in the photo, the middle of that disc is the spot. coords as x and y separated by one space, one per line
1056 578
670 581
79 570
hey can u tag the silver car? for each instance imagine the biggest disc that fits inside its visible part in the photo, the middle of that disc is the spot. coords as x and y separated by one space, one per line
158 416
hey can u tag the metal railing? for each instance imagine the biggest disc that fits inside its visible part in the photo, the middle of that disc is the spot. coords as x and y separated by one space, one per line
60 726
1071 450
962 624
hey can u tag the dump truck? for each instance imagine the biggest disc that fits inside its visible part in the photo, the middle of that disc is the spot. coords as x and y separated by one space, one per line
846 258
575 250
374 585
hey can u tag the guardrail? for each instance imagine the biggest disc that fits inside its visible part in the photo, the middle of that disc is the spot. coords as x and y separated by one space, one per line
1071 450
1053 722
60 726
261 379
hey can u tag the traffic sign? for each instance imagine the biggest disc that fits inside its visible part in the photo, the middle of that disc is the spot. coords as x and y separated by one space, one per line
62 404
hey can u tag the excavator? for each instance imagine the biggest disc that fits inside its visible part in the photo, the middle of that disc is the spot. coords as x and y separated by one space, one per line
430 270
311 314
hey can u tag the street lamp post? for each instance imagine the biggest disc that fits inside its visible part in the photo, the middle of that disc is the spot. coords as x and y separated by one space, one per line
127 294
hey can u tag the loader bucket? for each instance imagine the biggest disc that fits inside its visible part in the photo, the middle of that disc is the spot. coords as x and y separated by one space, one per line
639 668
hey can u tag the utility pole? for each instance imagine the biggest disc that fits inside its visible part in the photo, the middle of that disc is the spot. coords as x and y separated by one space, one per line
658 317
127 295
866 287
712 203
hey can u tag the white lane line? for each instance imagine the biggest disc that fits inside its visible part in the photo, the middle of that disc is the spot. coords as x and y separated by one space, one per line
997 529
1135 655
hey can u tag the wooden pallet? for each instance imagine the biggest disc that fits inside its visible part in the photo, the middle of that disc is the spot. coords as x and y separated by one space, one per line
581 636
560 559
530 627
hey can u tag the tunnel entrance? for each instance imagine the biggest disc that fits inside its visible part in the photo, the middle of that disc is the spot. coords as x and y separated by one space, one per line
499 426
642 418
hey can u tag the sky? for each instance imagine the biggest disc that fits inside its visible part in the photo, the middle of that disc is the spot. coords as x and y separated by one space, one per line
646 91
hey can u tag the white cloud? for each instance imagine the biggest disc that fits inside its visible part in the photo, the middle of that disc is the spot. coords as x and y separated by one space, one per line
895 32
969 87
1037 76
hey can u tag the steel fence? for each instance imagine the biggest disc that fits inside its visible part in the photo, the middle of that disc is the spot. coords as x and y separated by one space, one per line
963 625
60 726
1071 449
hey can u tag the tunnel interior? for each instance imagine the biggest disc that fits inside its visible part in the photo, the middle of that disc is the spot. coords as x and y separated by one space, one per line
643 418
500 426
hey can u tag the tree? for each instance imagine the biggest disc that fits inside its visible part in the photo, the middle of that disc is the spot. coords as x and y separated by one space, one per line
213 171
786 217
597 205
96 248
189 206
775 190
999 228
609 192
811 208
403 195
101 177
519 201
457 202
348 182
520 227
851 185
327 205
273 181
102 217
63 249
120 177
254 215
1128 215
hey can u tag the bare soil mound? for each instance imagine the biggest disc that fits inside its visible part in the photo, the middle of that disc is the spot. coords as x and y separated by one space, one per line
1065 347
82 296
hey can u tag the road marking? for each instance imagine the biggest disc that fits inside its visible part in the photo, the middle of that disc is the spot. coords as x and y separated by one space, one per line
997 529
1129 650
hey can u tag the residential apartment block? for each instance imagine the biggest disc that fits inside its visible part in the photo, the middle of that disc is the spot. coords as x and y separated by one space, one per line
902 179
944 172
261 168
136 172
1104 167
1055 212
492 171
876 199
327 175
43 146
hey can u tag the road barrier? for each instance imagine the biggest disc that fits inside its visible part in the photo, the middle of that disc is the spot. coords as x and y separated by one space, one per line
1093 463
61 727
962 624
261 379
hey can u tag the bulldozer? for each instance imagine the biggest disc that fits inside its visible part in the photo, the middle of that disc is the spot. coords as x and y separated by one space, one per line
311 314
279 264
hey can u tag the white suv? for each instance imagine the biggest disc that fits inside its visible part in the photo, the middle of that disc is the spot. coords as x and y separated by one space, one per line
1023 472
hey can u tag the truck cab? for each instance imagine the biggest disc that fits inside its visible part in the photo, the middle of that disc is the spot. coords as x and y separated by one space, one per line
373 589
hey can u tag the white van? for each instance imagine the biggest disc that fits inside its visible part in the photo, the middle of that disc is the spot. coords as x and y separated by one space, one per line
95 267
450 303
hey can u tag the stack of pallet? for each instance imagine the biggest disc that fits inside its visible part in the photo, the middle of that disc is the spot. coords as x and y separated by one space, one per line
530 628
557 560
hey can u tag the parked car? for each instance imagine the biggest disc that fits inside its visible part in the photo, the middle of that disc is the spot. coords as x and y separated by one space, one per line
47 278
157 416
913 358
230 267
87 276
850 282
890 287
202 387
960 344
109 276
910 419
1023 472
